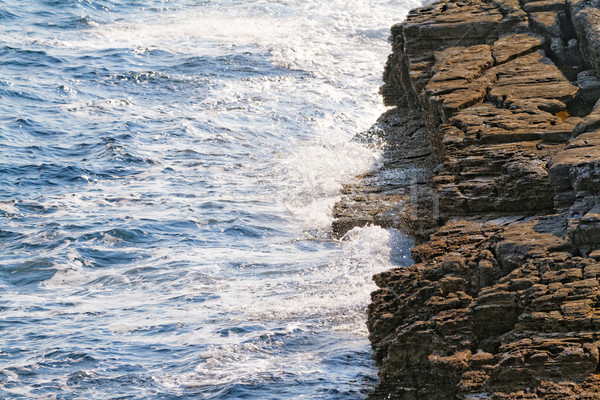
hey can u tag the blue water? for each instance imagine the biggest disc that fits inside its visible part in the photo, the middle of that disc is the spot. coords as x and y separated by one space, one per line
166 181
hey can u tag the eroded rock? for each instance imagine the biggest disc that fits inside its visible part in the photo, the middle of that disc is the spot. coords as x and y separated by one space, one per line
504 299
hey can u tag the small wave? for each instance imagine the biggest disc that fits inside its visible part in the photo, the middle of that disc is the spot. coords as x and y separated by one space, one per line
47 174
7 15
30 272
74 23
26 58
22 94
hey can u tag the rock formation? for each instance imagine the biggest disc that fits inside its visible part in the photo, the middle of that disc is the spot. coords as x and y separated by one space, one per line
493 164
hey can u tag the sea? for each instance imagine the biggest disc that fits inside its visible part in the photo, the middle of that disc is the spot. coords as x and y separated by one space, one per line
167 176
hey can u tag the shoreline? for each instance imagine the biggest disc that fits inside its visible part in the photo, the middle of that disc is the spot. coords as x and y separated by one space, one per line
492 164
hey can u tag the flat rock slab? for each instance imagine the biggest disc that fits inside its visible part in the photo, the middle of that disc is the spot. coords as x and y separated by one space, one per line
544 5
510 47
486 123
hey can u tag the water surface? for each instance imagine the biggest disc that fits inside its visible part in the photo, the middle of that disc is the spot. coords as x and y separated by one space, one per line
166 181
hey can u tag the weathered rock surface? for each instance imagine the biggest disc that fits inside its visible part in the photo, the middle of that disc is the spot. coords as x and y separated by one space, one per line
493 165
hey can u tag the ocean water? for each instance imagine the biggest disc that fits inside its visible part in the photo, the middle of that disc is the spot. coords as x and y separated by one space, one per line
167 172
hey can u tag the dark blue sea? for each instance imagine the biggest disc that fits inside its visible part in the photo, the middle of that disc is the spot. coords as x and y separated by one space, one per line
167 174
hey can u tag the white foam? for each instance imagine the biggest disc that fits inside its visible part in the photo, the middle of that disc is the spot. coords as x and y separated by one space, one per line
315 173
335 294
9 208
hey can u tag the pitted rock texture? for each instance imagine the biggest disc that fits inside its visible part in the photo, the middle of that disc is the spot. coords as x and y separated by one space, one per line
496 310
493 165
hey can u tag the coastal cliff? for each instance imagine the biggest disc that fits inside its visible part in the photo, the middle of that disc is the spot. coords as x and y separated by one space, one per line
492 164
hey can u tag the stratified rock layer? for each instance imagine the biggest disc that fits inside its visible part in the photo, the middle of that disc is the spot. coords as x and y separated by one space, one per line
493 164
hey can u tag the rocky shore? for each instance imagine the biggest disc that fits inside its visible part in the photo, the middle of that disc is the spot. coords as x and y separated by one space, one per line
493 165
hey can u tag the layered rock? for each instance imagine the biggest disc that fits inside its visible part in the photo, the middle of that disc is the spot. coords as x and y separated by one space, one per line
493 165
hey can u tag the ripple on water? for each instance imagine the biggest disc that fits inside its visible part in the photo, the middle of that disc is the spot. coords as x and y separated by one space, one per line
166 188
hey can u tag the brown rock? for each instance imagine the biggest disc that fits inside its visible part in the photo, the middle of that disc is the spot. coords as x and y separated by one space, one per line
510 47
531 77
544 6
504 202
547 22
